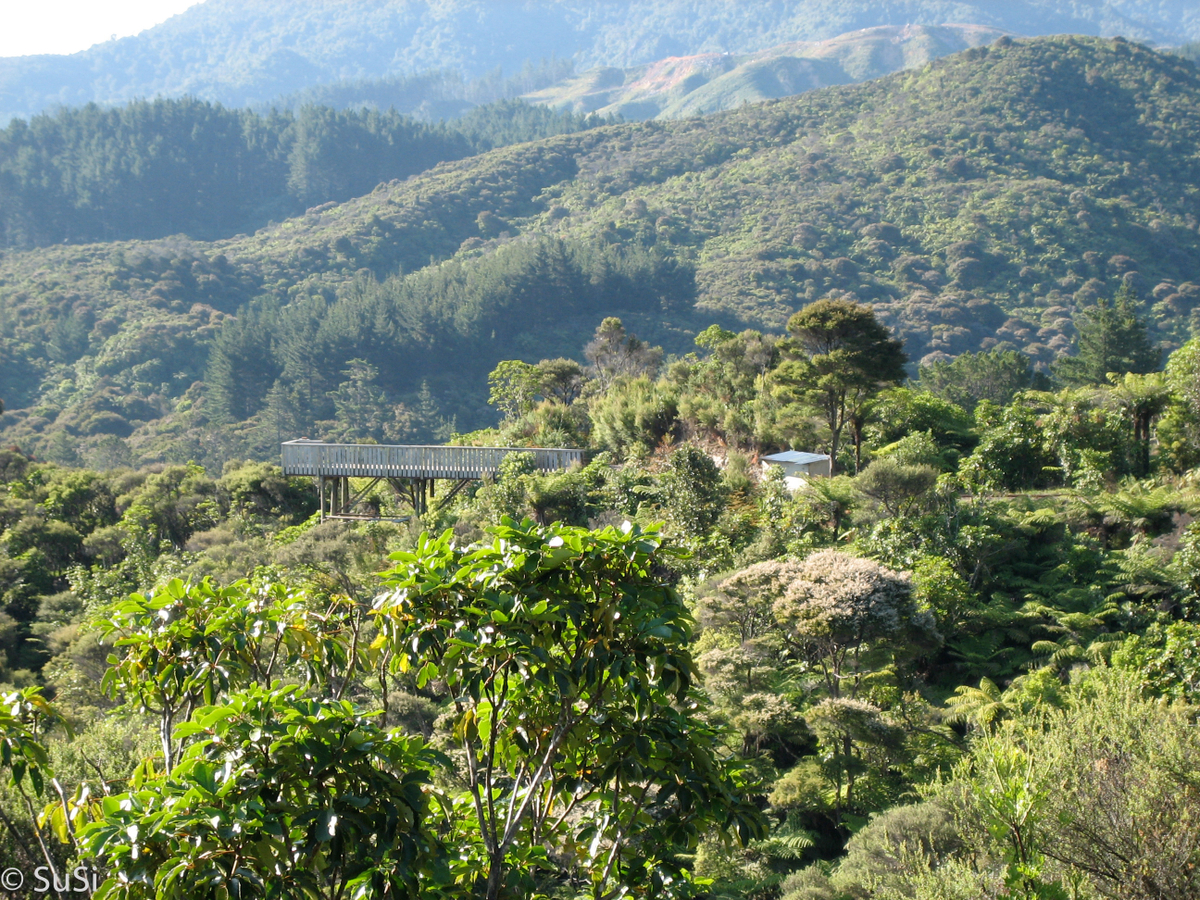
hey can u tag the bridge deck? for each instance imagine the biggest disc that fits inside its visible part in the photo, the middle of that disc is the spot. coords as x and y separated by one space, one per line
411 461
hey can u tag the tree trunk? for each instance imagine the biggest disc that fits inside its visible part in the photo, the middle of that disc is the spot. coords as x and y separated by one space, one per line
1141 427
848 751
834 444
495 875
856 426
835 418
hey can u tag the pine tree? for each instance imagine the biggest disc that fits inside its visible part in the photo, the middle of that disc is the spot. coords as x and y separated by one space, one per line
1112 338
241 365
430 425
281 418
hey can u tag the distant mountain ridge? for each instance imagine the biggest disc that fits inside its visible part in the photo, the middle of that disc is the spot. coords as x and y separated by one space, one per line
710 82
244 52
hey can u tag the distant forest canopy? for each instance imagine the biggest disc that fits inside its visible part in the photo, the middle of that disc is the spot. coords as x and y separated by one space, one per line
667 88
244 52
1189 51
155 168
989 201
294 364
427 96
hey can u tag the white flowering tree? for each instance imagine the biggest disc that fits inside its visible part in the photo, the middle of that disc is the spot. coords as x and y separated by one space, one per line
848 617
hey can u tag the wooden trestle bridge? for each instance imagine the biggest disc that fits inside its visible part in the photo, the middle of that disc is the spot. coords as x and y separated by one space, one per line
411 470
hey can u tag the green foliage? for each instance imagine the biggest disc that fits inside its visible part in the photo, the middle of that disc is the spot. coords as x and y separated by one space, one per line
897 486
1096 793
693 495
880 855
1179 431
570 497
1041 440
185 645
900 412
154 168
811 883
1142 398
260 492
1011 453
996 376
1112 339
614 354
1012 787
568 662
938 587
633 417
846 625
514 386
385 337
363 412
240 367
278 795
721 396
1166 659
23 715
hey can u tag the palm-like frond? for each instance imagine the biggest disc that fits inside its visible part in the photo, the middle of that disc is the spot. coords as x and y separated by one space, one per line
982 706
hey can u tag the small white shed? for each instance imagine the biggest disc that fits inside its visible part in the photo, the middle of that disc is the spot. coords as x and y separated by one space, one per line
798 467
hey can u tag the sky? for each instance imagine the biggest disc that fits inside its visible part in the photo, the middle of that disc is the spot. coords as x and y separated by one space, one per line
68 26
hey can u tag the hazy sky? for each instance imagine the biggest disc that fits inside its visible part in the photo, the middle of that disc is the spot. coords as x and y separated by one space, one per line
68 26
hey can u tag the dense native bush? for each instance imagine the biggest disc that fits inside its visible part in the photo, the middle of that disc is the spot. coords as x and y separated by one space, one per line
841 680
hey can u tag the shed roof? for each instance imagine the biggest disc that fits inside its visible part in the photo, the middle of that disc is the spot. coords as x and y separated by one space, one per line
796 457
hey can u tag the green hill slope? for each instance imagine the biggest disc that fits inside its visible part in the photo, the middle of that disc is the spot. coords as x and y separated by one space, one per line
978 201
242 52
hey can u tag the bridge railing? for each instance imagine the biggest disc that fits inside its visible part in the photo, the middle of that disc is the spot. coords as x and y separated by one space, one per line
412 461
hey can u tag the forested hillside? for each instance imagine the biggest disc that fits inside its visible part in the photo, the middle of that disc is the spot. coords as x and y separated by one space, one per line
186 167
668 88
428 96
242 52
983 201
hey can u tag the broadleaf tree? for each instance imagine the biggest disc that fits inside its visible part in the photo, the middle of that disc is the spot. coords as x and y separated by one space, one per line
581 739
276 796
186 645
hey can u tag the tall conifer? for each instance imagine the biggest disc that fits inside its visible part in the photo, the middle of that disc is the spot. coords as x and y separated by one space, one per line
1112 338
